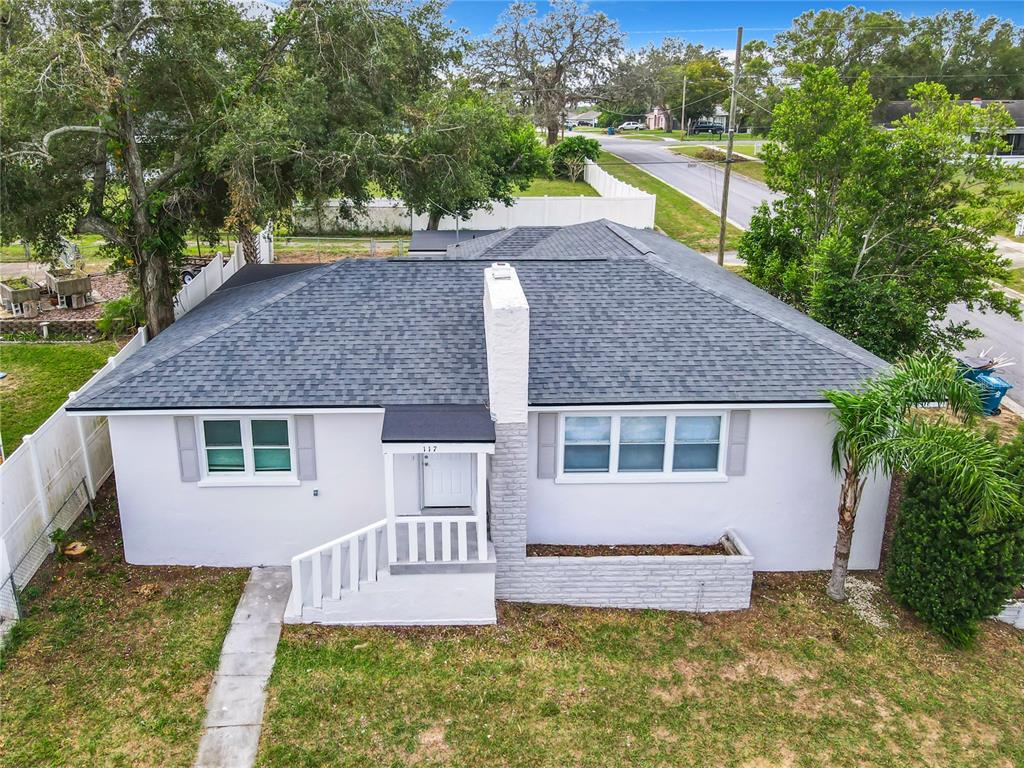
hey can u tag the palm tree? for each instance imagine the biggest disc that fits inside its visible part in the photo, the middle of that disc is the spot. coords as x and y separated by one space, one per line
878 431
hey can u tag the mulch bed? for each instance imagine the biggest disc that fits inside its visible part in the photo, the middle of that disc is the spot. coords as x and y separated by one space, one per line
611 550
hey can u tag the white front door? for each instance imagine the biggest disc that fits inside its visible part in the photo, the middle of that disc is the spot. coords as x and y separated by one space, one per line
447 480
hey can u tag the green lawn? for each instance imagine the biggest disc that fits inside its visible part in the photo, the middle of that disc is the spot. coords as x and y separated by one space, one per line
39 377
796 680
753 169
558 188
644 135
1016 280
675 214
112 664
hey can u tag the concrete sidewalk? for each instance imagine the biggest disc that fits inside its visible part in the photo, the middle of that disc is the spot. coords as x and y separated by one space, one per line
234 707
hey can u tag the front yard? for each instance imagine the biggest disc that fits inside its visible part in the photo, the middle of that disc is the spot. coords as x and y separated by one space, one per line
112 664
794 681
39 377
675 214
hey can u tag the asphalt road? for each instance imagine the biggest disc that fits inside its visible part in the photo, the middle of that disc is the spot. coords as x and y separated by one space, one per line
1003 335
703 182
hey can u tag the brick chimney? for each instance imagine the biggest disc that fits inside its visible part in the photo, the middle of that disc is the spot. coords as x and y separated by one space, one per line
507 332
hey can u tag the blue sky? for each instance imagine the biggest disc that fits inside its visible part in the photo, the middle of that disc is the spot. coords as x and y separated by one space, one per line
714 23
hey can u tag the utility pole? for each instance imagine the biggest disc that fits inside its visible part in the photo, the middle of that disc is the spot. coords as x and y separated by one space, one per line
682 112
728 149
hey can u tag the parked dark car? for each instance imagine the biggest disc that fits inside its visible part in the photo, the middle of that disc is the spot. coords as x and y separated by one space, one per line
708 127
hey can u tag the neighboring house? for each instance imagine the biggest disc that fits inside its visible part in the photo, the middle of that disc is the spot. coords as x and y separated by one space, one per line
399 430
661 119
892 111
584 118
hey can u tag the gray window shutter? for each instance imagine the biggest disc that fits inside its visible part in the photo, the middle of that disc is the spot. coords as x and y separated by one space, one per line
547 443
188 451
739 434
305 447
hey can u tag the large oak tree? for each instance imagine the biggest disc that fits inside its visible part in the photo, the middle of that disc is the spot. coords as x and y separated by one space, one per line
548 62
140 120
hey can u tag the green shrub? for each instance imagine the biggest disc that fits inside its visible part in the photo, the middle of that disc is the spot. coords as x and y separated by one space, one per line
949 574
120 316
569 156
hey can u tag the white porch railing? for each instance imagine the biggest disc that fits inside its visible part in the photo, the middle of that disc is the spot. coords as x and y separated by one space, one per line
439 545
341 564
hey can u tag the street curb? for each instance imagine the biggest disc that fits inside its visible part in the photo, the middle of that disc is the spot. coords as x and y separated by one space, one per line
1013 405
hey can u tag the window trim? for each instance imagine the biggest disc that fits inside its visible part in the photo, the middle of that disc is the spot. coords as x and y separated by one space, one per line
249 475
666 475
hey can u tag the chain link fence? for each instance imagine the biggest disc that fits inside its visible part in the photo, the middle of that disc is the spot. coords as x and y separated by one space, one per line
22 571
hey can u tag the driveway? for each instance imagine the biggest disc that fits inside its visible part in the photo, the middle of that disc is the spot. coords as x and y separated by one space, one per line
703 182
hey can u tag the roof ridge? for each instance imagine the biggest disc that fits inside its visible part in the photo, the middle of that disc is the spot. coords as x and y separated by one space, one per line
229 322
659 262
499 237
628 238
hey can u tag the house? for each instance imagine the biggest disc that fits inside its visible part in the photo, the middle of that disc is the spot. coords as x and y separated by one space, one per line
588 118
892 111
661 119
400 430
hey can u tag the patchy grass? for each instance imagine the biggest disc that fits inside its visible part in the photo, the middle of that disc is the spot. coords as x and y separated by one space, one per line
39 377
675 214
797 680
1016 280
644 135
112 663
753 169
558 188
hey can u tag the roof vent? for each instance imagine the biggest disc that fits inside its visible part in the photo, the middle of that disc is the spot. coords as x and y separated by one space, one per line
501 270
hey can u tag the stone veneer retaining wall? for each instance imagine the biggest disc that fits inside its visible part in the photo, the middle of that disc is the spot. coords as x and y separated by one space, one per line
1013 613
679 583
32 325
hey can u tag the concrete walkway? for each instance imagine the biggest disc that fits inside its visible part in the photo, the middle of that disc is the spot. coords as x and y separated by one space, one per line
234 708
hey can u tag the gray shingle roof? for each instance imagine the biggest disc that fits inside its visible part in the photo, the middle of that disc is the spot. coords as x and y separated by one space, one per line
618 315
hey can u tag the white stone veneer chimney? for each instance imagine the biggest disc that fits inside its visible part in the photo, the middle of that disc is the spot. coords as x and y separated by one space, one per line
507 331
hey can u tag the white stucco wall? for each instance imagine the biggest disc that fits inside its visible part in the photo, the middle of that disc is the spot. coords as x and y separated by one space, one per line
167 521
784 507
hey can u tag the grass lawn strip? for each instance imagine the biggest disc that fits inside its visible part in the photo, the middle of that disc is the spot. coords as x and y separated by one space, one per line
558 188
1016 280
752 169
677 215
112 663
796 680
39 377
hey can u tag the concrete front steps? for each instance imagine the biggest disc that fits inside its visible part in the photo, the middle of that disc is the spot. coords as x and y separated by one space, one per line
425 597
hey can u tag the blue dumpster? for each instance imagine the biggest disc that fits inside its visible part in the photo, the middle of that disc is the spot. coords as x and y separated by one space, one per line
611 131
993 388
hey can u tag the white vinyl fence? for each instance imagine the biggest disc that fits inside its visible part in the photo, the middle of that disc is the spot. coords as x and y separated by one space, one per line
54 474
619 202
47 482
217 271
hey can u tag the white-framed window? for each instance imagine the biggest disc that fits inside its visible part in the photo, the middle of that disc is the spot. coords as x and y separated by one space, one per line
642 446
253 448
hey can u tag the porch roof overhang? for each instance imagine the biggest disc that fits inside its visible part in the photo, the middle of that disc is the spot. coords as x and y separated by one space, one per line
437 424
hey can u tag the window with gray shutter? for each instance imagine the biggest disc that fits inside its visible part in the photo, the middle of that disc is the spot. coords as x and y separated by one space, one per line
188 452
305 439
547 445
739 436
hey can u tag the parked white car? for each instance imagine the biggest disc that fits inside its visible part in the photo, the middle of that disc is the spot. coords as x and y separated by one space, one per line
632 125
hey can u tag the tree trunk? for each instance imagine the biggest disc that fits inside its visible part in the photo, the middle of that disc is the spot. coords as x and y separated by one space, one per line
552 133
157 292
434 220
250 248
849 500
